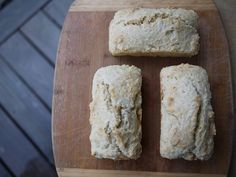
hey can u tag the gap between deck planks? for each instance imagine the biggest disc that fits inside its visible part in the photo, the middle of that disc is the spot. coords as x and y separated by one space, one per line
25 159
38 75
25 95
58 11
15 14
4 171
46 38
26 110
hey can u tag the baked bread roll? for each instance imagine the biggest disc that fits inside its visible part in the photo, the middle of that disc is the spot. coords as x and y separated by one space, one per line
187 118
154 32
116 113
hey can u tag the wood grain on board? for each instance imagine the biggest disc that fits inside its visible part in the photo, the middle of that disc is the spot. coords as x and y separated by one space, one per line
75 172
109 5
84 48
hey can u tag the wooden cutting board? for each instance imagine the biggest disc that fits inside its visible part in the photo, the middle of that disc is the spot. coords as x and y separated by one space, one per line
84 48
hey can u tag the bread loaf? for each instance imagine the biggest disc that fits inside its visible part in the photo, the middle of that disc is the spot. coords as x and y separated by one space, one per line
115 113
187 118
154 32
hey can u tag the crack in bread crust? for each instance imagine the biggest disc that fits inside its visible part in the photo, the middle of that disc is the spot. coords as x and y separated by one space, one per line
152 18
146 19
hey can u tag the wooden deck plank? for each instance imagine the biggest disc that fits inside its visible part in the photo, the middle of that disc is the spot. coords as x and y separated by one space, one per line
26 110
15 14
34 69
44 33
58 10
3 171
19 154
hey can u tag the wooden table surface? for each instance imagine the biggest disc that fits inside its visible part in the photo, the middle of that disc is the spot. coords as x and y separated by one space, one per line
227 10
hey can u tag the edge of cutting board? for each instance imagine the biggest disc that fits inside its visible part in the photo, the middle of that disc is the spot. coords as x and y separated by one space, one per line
113 5
76 172
109 5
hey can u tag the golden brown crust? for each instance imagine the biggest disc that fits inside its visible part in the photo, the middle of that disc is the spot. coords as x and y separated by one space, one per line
154 32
